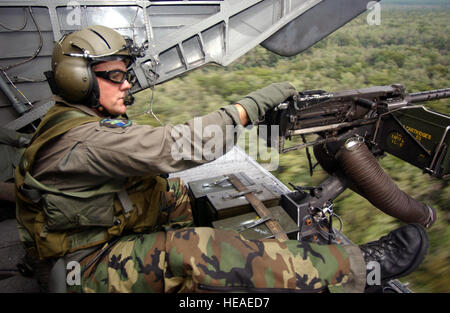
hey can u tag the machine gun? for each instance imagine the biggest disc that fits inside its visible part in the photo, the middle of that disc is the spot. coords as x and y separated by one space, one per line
385 116
353 128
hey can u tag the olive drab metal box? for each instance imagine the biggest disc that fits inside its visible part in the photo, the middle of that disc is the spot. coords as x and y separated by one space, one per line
251 227
419 136
217 203
199 189
228 203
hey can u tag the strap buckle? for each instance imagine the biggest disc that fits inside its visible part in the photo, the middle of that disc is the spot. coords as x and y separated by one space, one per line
125 201
31 193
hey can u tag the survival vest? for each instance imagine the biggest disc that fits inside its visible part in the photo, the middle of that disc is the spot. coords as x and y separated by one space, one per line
53 223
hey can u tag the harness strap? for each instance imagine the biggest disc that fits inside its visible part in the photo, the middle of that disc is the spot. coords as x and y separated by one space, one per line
51 127
36 186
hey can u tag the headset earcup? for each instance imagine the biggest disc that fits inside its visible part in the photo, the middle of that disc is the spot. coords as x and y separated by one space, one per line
94 90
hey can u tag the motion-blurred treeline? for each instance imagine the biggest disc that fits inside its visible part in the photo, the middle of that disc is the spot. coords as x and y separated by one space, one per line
410 46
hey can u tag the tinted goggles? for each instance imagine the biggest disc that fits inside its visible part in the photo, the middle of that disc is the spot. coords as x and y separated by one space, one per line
116 76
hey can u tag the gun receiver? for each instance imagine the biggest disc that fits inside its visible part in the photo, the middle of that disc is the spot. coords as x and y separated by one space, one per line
386 116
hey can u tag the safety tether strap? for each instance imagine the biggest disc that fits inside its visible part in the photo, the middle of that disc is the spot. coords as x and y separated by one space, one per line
125 201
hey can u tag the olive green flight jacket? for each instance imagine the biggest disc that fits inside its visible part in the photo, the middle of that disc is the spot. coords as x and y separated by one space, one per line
92 154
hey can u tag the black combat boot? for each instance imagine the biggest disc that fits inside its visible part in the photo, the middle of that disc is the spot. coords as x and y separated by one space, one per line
398 253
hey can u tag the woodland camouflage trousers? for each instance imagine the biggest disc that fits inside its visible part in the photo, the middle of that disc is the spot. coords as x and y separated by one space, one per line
202 259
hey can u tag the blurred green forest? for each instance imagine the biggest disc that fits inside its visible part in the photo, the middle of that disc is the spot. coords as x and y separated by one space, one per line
411 46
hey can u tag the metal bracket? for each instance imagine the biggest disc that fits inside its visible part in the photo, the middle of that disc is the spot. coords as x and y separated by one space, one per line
253 223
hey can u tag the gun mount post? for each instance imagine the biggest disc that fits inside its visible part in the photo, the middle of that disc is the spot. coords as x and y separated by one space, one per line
18 106
308 209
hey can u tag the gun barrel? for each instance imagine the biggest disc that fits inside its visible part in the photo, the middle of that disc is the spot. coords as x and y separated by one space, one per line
429 95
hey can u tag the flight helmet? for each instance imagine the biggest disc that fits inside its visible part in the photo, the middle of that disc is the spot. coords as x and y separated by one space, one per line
74 55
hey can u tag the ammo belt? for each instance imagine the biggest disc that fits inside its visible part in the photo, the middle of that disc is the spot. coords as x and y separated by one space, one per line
260 209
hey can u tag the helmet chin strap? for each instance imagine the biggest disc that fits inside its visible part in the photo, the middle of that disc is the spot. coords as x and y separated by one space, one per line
103 111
